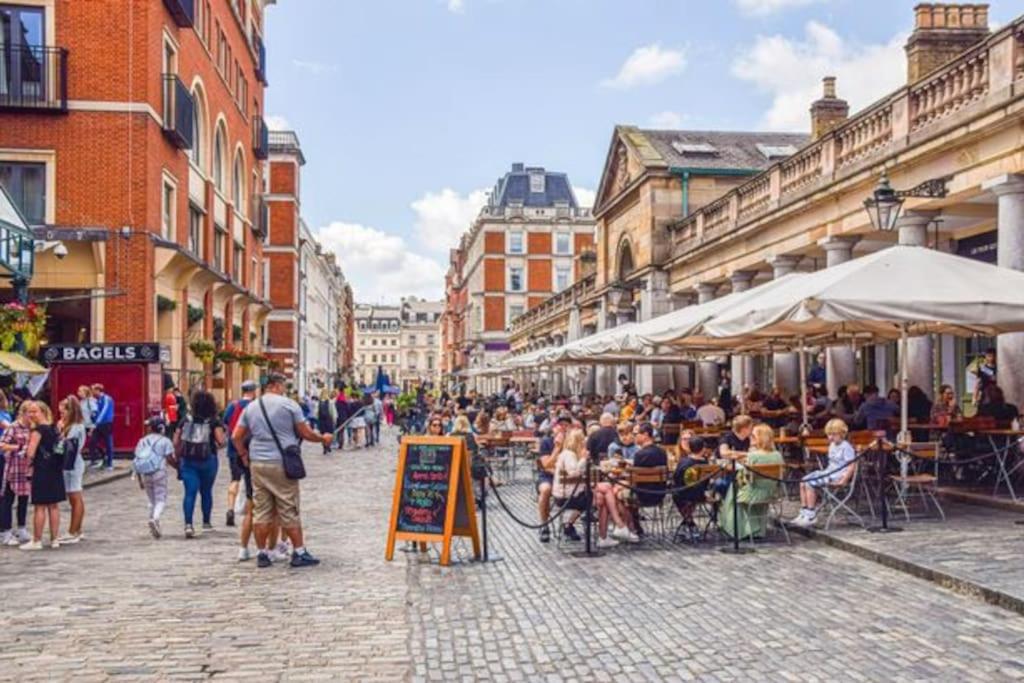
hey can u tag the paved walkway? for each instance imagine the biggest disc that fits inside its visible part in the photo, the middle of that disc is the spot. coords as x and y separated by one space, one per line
121 606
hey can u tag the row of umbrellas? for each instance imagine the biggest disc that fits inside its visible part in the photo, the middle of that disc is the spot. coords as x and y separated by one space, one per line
892 294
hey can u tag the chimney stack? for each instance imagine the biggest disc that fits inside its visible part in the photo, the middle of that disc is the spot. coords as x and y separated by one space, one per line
941 33
829 111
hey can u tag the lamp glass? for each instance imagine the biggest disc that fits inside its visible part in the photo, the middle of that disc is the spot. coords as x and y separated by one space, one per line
884 206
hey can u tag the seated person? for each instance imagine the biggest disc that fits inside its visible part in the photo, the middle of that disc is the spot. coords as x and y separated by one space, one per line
710 414
875 412
670 412
836 474
946 408
649 455
599 440
549 448
572 495
693 451
737 439
753 492
775 408
994 405
624 447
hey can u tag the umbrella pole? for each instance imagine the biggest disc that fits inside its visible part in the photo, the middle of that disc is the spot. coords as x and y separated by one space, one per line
804 425
904 436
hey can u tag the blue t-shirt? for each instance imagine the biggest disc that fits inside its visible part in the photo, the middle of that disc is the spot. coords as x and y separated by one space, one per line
5 418
229 417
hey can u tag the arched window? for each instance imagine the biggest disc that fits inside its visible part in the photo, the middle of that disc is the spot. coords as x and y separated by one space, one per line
238 184
220 153
625 260
199 138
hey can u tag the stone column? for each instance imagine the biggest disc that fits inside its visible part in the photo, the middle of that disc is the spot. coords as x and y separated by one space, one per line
742 366
655 300
913 232
707 371
1010 222
786 366
683 374
840 361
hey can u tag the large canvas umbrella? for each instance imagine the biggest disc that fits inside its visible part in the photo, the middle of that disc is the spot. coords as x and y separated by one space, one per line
895 293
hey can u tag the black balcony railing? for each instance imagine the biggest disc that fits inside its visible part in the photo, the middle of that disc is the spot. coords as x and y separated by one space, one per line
183 11
260 138
261 58
34 77
260 216
178 106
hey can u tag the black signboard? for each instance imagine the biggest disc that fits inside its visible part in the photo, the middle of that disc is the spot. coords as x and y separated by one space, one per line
105 353
423 504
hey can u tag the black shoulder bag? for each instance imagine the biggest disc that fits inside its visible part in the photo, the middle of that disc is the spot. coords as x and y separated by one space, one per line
291 457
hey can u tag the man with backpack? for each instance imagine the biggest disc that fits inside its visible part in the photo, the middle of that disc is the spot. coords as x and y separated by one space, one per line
271 428
232 414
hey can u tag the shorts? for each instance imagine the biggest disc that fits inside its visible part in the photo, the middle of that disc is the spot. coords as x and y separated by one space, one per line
580 502
237 468
816 480
73 478
545 478
275 496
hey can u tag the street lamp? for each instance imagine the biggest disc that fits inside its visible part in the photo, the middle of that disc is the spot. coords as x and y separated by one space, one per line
885 203
17 247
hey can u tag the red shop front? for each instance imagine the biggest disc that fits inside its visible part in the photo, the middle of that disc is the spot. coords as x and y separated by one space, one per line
130 373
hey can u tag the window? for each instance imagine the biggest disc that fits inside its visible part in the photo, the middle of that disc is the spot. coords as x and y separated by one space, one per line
220 151
373 342
373 358
514 311
218 248
430 361
238 184
537 182
195 230
22 33
561 278
167 211
412 340
430 340
562 243
412 361
362 342
236 264
515 243
394 342
197 150
515 278
26 183
394 358
252 274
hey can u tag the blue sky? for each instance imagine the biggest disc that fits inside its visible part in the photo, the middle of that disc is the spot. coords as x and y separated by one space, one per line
408 110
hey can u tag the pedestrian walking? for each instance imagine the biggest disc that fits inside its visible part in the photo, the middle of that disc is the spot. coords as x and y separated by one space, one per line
232 415
325 417
103 418
47 467
16 486
270 427
73 436
152 453
195 445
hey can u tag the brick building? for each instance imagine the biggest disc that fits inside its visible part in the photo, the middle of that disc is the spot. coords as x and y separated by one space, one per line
520 249
132 133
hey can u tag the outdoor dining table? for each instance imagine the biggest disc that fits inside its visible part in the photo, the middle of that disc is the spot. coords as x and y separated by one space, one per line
1003 456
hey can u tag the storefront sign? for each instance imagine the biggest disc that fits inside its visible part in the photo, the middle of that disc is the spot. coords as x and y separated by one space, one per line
981 247
106 353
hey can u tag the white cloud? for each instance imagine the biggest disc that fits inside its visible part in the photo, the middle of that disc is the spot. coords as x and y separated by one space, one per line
667 120
791 72
275 122
381 267
315 68
762 7
456 6
442 217
584 197
648 65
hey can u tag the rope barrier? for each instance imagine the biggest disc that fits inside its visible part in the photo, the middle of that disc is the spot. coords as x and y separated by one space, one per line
668 490
551 517
808 478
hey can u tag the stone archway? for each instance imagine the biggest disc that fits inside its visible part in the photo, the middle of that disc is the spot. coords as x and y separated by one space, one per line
624 264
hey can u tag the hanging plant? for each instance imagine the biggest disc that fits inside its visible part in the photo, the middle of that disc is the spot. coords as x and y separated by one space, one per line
203 350
260 361
229 354
22 328
195 314
236 333
163 304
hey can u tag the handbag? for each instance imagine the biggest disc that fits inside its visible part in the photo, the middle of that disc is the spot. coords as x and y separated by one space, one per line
68 448
291 457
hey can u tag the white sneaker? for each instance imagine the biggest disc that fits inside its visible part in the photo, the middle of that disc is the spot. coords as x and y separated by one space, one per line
5 538
244 555
54 544
31 545
620 533
796 521
70 539
23 535
607 542
154 528
12 541
632 537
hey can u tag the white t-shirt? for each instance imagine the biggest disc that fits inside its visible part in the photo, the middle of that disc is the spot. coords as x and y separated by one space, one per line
711 415
568 465
839 456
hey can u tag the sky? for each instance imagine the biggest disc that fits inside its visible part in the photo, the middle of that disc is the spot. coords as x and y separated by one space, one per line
409 110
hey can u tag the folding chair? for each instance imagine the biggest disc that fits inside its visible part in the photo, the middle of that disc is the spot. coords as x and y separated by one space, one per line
650 478
765 509
922 481
700 510
836 498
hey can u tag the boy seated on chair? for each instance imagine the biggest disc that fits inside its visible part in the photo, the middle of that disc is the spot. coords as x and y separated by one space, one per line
693 452
836 473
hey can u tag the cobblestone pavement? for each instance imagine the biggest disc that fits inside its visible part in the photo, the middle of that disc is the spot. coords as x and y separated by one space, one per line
124 607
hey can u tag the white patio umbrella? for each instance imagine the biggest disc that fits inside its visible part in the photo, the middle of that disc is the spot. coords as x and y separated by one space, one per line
895 293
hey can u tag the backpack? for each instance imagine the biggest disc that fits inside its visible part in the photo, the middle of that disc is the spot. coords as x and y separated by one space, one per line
147 460
195 440
68 450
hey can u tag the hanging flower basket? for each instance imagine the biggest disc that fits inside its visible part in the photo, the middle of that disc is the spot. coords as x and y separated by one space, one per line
260 361
203 349
22 328
229 354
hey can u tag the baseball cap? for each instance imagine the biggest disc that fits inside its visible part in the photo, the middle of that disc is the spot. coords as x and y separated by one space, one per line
248 385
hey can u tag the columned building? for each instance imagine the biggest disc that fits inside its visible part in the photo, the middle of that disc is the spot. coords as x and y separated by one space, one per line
150 177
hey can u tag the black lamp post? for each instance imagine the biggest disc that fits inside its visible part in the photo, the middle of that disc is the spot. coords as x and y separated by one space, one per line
17 247
885 204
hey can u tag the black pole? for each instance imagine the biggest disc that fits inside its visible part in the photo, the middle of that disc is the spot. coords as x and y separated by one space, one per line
736 549
19 283
483 512
587 519
884 528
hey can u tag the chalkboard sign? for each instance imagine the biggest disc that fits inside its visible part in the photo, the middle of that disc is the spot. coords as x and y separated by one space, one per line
423 505
433 498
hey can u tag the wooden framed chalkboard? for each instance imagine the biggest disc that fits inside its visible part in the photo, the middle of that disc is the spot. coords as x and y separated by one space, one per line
433 496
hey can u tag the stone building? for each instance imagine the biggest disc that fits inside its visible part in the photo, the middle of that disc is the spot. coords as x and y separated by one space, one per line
420 343
378 338
151 177
520 249
322 293
957 124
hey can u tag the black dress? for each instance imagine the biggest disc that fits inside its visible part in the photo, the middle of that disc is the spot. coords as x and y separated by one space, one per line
47 469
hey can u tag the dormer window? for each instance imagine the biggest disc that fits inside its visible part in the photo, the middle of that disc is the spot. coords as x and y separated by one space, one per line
537 183
694 148
776 152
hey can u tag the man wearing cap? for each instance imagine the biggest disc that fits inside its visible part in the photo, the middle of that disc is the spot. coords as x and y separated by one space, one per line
275 496
232 414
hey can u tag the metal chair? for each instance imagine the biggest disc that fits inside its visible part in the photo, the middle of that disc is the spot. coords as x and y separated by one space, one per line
650 478
836 498
921 481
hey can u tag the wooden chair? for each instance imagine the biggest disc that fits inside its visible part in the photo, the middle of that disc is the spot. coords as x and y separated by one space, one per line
764 511
704 509
670 434
650 478
921 480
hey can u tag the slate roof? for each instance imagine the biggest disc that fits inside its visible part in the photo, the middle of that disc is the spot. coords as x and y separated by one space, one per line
513 189
732 150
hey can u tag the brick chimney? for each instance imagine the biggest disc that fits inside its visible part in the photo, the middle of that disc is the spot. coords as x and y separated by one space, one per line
829 111
941 33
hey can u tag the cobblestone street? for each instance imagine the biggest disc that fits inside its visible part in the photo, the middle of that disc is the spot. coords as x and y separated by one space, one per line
122 606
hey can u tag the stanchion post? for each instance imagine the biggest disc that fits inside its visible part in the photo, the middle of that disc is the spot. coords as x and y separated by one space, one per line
483 512
884 528
587 519
736 549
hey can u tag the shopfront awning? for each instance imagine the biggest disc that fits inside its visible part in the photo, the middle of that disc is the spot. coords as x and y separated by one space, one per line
15 362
